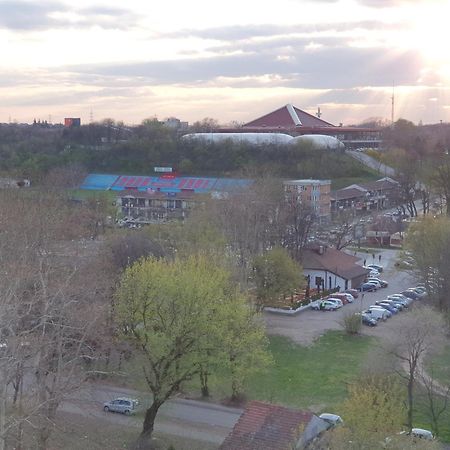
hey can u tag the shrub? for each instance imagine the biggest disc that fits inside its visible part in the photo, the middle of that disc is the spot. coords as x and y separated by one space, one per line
351 323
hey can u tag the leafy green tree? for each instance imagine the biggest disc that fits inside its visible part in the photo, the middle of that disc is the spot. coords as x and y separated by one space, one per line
428 240
243 344
276 274
177 314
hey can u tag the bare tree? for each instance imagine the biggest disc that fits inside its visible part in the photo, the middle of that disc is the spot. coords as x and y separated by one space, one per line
418 334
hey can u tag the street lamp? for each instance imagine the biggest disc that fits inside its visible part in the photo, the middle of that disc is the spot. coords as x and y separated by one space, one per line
362 299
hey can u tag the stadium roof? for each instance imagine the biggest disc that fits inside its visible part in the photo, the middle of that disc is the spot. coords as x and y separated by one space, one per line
199 185
286 117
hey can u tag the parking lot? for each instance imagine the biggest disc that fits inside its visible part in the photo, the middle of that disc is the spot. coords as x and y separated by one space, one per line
306 326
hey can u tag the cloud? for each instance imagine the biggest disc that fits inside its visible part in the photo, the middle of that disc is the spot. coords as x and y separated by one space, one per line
251 31
326 68
26 15
23 15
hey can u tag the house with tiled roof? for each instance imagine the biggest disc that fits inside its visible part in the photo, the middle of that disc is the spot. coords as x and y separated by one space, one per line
328 268
264 426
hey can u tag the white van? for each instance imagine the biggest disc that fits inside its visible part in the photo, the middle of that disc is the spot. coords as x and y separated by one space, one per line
377 313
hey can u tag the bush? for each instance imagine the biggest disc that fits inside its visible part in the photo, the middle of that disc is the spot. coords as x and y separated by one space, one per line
352 323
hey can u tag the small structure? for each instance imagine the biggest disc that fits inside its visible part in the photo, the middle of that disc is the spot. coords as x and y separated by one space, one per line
264 426
328 268
72 122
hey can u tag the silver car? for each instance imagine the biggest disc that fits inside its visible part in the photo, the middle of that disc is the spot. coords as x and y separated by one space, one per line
121 405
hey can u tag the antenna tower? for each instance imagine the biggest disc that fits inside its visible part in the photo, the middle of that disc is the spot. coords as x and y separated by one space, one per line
318 113
392 106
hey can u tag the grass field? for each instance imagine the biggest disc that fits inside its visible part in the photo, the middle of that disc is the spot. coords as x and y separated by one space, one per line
300 376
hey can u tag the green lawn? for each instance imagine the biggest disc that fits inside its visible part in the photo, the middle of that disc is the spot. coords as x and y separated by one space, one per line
300 376
303 376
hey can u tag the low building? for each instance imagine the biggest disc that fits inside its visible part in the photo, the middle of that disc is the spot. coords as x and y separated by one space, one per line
264 426
313 194
327 268
376 195
144 207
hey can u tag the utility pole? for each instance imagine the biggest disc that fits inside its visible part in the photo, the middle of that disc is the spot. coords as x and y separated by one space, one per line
392 107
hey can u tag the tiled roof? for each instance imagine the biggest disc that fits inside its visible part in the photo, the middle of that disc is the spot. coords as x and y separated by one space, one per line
264 426
346 194
333 261
288 116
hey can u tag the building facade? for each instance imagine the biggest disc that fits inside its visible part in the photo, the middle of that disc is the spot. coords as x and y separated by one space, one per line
313 194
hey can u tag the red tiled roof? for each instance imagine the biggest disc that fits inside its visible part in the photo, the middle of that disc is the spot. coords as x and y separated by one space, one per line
281 118
333 261
263 426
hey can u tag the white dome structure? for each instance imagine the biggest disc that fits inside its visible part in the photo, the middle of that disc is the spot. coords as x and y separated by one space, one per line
319 141
250 138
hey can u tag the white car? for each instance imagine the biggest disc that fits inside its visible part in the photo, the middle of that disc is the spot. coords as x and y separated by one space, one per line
377 312
375 282
324 305
331 419
336 301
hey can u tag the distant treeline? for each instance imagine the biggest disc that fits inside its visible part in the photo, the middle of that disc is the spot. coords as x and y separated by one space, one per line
33 150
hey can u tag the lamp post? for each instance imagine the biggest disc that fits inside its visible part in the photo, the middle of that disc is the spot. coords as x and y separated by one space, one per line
362 299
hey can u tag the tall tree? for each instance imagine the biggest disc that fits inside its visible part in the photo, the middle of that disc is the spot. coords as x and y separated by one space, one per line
277 274
418 334
172 311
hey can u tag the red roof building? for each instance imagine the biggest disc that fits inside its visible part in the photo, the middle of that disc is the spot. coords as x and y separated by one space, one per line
264 426
291 120
288 117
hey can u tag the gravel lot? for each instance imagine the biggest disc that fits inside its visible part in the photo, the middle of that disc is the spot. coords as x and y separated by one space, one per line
308 325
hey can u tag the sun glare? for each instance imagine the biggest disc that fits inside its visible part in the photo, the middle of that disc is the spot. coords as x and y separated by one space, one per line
431 32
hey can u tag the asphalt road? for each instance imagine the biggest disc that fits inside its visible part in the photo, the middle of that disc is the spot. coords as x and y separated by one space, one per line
372 163
180 417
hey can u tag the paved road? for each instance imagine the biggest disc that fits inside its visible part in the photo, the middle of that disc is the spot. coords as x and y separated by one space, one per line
372 163
180 417
308 325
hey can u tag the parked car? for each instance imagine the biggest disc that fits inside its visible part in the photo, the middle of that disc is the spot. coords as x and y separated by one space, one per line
353 292
401 297
377 267
374 281
419 433
374 273
324 305
385 312
383 283
420 291
367 287
339 303
393 303
399 300
411 294
388 306
121 405
422 434
367 319
331 419
344 297
377 313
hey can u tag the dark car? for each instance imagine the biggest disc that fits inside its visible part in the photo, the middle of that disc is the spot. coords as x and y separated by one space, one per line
369 287
389 307
410 294
367 320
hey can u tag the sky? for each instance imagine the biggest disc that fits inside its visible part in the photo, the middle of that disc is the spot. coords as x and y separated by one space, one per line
231 61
